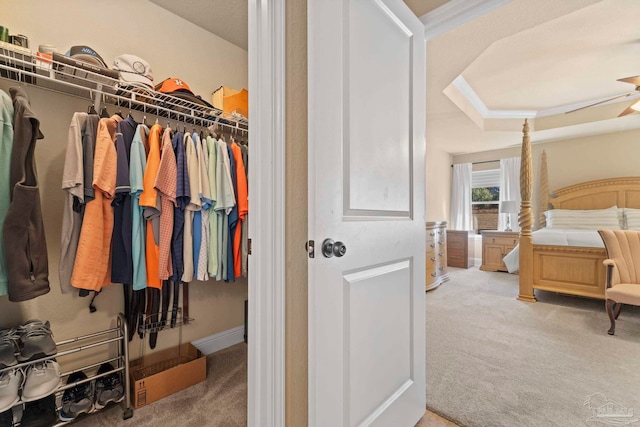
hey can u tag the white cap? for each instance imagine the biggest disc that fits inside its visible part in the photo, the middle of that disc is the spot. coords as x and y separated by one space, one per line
133 69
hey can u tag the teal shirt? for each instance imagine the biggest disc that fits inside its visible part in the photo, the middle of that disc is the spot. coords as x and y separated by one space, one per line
137 165
6 146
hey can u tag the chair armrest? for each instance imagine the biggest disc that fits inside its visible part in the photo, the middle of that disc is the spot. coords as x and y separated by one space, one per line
610 265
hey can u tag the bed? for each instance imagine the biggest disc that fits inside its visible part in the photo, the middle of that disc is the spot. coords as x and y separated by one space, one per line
573 270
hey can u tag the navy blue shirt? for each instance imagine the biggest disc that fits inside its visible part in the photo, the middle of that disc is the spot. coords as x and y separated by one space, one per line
233 219
182 200
121 257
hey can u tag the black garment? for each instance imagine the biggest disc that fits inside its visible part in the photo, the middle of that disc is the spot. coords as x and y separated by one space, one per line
121 258
24 238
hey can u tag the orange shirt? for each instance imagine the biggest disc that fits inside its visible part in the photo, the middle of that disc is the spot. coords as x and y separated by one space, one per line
242 200
149 199
92 269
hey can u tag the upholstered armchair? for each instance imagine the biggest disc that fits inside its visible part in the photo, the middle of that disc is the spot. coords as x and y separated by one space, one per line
623 271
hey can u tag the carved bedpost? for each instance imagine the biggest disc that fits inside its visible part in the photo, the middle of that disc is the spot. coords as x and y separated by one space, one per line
544 190
525 219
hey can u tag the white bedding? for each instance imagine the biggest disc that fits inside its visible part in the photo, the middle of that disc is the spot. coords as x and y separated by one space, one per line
559 237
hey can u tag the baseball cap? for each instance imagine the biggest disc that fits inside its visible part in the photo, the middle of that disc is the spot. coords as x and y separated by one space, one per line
86 54
180 89
133 69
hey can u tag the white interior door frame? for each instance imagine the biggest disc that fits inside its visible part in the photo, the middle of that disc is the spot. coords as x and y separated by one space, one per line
266 362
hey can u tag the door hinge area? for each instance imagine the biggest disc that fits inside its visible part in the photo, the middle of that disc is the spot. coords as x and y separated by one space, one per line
310 246
249 246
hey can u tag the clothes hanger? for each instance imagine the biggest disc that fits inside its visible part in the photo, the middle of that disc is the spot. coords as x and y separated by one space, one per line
104 114
92 109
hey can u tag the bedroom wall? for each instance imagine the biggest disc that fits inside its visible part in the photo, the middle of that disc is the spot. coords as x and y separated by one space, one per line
174 48
438 184
576 160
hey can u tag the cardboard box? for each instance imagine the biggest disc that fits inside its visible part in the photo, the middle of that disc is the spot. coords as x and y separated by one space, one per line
166 372
231 100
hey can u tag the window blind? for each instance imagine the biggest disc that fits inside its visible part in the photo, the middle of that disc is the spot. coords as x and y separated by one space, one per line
486 178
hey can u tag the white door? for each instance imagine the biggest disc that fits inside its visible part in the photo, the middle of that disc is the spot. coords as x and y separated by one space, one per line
366 189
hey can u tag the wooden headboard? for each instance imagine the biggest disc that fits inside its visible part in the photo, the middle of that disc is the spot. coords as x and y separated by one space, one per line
599 194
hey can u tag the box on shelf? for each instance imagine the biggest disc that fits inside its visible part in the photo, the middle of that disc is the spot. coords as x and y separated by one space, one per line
163 373
231 100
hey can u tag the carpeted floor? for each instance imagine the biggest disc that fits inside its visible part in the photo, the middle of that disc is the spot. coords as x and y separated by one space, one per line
220 401
496 361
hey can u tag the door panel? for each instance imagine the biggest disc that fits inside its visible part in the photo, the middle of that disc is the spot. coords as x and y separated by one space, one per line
376 316
366 189
378 138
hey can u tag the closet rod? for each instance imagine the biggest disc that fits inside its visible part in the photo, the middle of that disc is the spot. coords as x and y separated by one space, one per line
194 116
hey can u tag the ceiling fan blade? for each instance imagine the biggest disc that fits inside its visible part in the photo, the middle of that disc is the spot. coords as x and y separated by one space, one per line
626 111
624 95
635 80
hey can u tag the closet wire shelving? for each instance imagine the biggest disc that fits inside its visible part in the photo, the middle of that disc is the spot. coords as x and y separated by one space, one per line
82 343
22 65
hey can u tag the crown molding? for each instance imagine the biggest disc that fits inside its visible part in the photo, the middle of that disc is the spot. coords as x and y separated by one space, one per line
455 13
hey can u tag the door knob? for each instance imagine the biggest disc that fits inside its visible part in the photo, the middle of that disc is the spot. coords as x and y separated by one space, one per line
331 248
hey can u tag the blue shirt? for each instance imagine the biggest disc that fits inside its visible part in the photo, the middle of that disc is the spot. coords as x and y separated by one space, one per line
182 200
233 220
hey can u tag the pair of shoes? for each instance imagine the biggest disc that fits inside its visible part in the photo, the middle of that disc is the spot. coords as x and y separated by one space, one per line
37 341
31 341
39 413
76 400
39 380
82 399
108 388
10 382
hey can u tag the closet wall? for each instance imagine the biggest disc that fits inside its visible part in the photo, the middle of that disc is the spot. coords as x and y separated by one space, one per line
174 48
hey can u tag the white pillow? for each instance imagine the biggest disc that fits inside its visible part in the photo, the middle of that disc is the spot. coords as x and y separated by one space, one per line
632 217
594 219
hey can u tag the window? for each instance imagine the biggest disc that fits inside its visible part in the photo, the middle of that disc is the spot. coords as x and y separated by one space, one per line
485 199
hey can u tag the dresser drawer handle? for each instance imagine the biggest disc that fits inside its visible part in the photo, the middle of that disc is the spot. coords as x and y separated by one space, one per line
441 242
432 234
433 259
493 240
515 241
432 245
440 254
441 269
441 232
433 274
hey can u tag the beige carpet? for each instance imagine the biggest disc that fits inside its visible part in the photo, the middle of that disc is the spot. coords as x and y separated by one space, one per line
220 401
495 361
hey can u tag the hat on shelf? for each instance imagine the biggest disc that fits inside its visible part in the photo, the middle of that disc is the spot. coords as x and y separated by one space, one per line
86 54
133 70
180 89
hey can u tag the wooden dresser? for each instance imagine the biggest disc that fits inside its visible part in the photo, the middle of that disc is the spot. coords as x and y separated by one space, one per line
436 254
495 245
460 248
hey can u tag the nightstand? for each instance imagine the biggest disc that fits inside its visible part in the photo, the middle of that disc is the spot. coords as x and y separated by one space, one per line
495 245
460 248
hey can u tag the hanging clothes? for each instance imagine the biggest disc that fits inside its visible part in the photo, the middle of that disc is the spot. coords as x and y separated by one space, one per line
23 229
73 186
182 200
232 220
121 257
194 205
212 246
137 168
242 202
201 245
92 268
244 246
165 184
149 199
225 200
6 146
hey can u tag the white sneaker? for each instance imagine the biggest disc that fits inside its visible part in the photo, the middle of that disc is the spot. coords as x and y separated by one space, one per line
41 379
9 384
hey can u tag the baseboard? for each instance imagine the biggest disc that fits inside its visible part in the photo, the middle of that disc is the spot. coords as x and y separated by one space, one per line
220 341
477 262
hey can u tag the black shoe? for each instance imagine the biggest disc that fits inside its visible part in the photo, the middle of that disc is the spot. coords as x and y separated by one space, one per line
6 418
39 413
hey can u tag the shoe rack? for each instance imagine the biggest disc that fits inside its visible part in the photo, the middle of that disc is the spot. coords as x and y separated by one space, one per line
116 337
